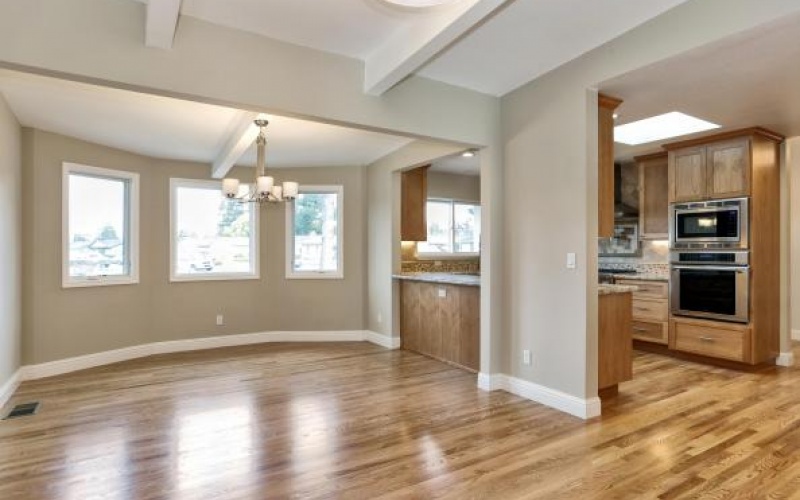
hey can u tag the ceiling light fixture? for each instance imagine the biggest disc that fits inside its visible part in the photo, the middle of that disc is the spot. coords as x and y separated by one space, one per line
660 127
264 190
468 153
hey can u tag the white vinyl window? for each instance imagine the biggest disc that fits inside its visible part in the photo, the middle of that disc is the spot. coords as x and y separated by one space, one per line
100 226
454 229
314 233
212 238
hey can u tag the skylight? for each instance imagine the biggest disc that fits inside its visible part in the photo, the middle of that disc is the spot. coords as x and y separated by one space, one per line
660 127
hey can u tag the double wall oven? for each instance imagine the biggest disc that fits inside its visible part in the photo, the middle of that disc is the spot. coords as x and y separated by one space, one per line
710 260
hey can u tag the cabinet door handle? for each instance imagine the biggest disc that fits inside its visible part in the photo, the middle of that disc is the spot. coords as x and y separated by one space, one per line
640 329
707 339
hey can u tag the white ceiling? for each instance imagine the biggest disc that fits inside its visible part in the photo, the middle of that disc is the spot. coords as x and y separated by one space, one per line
751 79
182 130
495 52
457 164
531 37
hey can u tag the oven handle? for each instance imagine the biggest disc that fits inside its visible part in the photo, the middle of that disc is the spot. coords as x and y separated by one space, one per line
738 269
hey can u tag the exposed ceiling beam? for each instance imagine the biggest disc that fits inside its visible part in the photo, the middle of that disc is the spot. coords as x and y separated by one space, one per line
244 132
406 51
162 21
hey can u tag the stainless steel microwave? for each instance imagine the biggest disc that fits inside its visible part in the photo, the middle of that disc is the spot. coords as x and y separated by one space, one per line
710 224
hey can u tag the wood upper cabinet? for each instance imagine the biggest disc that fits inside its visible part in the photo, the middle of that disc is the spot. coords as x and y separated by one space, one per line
605 165
718 170
414 189
653 196
728 165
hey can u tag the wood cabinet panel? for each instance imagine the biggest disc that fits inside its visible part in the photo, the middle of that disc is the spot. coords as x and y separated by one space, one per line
410 315
715 339
469 348
414 196
728 169
605 165
647 289
445 326
615 347
650 331
649 309
687 174
653 196
430 322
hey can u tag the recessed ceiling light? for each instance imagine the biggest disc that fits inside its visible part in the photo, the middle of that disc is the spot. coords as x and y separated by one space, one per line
418 3
660 127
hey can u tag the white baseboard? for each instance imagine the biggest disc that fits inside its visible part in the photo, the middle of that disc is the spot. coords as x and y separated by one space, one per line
795 334
7 389
59 367
785 359
581 408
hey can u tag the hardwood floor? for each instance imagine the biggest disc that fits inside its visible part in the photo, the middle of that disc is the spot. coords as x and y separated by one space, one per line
352 420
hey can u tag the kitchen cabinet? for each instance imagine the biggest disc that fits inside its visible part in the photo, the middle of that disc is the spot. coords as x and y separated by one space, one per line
441 321
605 164
414 196
650 310
721 169
714 339
653 196
615 348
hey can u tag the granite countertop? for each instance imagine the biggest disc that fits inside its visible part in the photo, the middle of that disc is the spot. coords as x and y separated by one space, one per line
641 277
444 278
612 289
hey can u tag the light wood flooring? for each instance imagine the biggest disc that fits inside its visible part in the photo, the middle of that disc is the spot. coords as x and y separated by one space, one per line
355 421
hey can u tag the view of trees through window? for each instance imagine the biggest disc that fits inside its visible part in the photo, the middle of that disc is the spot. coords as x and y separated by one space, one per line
97 222
316 232
212 233
453 228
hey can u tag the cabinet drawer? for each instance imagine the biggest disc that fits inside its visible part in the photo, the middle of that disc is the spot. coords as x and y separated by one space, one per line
650 332
650 310
647 289
717 341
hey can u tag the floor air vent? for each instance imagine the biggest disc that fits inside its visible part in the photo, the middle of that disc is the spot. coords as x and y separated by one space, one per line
23 410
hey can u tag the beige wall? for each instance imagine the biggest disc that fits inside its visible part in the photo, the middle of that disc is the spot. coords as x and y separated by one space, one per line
454 186
550 145
60 323
791 265
10 249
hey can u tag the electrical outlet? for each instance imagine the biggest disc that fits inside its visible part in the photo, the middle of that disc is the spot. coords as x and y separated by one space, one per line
526 356
220 320
442 292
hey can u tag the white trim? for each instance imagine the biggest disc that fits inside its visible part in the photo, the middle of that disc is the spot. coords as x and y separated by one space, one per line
382 340
131 220
291 274
255 254
581 408
785 359
62 366
795 334
7 390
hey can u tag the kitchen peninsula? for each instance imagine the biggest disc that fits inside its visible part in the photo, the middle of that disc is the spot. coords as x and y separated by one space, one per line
440 316
614 343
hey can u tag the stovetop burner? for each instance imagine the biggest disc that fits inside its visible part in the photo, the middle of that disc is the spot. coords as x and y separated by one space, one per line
617 271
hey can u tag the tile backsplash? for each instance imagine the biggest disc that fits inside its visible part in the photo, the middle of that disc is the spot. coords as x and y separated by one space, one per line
441 266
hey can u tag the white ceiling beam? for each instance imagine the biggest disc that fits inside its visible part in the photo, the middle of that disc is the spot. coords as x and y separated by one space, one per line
244 132
408 50
161 23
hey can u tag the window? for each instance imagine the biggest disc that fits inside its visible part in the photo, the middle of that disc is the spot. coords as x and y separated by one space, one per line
454 229
314 233
213 238
100 240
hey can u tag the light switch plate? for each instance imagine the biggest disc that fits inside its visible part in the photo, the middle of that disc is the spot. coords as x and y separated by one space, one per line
526 357
572 261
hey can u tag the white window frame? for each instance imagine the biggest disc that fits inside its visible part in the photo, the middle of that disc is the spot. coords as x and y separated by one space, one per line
290 211
255 274
131 216
451 255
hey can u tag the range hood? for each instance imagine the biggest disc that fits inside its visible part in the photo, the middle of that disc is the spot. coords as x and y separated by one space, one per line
622 211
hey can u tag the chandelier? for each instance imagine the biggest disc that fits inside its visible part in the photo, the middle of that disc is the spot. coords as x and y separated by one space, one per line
264 190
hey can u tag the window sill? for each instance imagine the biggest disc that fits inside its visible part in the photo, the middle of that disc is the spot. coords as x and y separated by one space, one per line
315 276
188 278
88 283
448 256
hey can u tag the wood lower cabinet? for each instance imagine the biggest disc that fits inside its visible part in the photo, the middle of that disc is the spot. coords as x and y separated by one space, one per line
441 321
650 310
615 349
712 338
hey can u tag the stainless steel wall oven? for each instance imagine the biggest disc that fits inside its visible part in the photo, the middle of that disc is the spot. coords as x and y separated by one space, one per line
713 285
